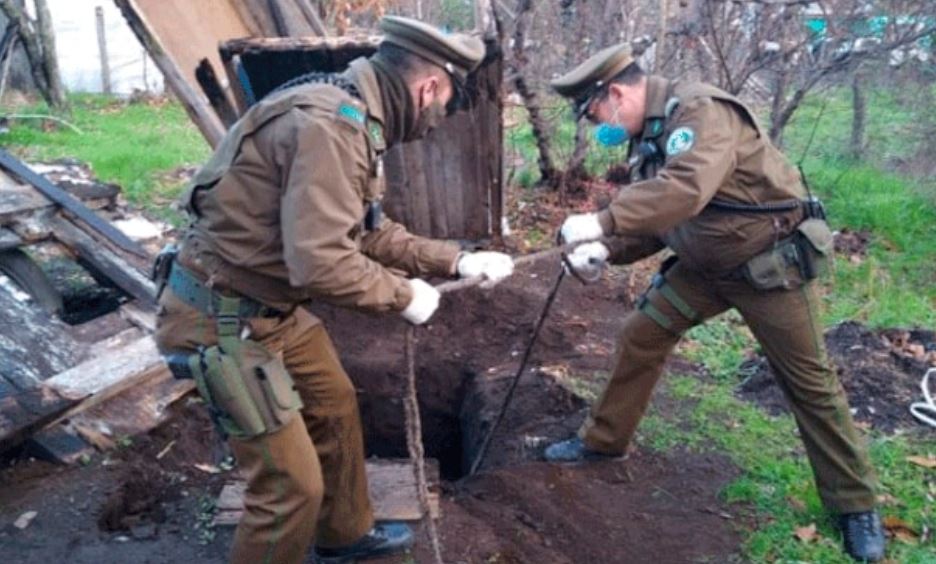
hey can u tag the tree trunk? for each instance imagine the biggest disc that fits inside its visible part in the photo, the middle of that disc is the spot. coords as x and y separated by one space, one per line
49 55
548 171
859 113
40 49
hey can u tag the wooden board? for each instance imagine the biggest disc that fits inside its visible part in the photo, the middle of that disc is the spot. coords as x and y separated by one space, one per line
390 482
22 326
18 200
102 259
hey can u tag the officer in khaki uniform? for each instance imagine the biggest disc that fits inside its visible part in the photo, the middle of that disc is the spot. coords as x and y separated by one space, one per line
707 183
286 211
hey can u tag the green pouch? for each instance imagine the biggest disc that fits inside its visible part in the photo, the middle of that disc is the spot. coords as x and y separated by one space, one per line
775 268
250 390
815 243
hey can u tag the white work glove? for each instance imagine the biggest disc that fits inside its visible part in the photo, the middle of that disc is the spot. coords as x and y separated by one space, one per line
589 260
492 266
581 227
425 302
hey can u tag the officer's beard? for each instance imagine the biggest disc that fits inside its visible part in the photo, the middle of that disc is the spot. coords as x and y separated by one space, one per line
399 111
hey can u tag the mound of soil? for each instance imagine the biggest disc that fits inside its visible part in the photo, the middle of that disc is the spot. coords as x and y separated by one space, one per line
880 371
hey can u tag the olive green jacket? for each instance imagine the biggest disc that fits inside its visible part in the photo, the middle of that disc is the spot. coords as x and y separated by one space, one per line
706 144
279 210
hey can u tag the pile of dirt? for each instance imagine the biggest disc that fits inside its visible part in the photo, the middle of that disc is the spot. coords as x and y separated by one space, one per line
186 450
648 508
880 371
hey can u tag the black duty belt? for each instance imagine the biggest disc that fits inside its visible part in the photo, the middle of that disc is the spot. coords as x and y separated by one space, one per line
191 290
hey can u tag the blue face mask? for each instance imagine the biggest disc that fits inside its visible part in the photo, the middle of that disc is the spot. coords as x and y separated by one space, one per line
611 135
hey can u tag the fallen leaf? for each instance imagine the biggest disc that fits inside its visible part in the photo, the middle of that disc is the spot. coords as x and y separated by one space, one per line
916 350
25 519
806 534
796 503
900 530
208 468
924 461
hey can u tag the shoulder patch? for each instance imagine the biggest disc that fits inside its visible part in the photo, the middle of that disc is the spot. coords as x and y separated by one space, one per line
680 141
350 113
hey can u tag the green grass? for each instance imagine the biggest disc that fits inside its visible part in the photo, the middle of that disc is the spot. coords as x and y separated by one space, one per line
777 482
133 145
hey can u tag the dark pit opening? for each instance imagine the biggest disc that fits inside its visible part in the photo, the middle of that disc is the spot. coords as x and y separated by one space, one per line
67 288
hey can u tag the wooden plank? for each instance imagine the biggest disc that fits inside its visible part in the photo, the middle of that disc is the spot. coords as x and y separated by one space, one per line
391 485
165 54
127 277
9 239
29 410
59 444
18 199
145 320
109 373
137 410
18 169
22 327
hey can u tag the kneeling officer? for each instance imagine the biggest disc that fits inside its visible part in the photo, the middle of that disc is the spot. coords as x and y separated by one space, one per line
286 211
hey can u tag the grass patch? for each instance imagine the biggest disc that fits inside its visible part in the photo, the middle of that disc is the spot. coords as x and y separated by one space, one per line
777 480
134 145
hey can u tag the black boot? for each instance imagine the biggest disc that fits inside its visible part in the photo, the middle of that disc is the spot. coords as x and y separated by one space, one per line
863 535
574 450
384 539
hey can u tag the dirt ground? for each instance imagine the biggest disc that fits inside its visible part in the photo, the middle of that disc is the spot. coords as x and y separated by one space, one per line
131 505
880 371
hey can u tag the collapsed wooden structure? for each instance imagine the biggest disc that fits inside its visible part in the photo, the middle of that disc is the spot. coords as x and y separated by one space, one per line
51 372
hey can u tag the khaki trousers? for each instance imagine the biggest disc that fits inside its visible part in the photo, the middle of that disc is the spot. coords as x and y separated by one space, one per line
785 323
305 482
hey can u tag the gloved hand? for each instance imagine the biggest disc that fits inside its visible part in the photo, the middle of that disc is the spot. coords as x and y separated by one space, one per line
581 227
589 260
425 302
492 266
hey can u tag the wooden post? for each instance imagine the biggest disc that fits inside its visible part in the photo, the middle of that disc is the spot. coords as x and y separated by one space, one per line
102 48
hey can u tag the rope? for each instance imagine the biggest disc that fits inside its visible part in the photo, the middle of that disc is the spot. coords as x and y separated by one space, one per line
414 443
925 410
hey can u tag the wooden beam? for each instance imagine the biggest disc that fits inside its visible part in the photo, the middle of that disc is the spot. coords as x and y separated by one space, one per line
211 86
23 326
28 411
9 240
105 261
196 105
311 15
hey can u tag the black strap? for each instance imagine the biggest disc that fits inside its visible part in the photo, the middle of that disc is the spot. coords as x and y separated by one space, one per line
335 79
781 206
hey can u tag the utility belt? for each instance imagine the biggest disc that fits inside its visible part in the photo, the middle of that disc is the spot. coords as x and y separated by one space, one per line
789 263
246 386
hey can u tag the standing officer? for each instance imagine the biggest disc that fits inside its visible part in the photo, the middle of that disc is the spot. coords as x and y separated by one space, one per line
286 211
707 183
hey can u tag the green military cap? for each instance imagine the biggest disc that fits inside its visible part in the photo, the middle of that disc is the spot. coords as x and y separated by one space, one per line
584 81
457 53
